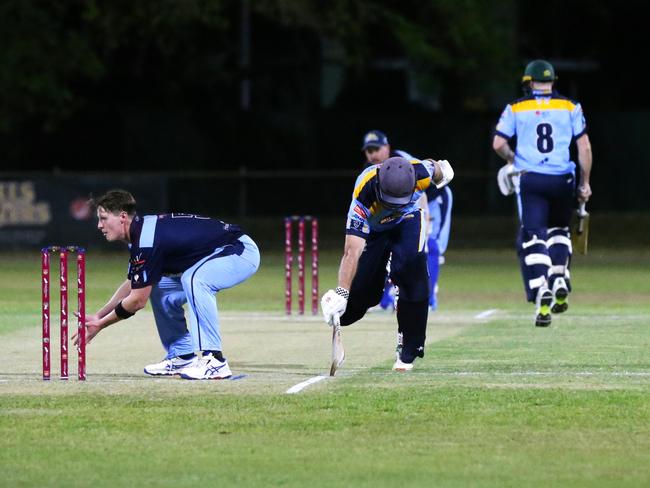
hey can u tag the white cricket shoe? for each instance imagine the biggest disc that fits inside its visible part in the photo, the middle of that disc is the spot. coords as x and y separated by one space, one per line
169 367
207 368
402 367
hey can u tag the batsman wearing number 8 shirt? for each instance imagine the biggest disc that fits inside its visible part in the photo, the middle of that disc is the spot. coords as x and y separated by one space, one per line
176 259
545 124
384 219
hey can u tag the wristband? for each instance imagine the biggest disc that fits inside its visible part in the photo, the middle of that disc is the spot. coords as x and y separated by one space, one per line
122 313
342 292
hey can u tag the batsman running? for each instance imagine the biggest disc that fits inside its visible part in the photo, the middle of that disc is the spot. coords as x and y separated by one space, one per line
383 219
542 174
176 259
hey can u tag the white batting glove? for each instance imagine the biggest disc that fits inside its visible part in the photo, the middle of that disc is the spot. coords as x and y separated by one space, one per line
504 179
447 173
333 304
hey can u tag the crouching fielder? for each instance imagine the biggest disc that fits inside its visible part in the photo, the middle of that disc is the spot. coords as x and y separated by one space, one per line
176 259
385 220
545 123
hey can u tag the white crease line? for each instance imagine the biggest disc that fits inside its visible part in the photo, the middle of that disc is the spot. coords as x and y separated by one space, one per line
485 313
306 383
315 379
541 373
630 374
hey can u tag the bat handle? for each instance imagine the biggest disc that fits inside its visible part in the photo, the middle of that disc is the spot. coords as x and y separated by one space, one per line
582 210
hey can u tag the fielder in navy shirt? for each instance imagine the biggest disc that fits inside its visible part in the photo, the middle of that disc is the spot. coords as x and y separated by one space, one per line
176 259
172 243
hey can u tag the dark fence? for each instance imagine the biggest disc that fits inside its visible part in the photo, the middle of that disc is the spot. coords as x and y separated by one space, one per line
41 209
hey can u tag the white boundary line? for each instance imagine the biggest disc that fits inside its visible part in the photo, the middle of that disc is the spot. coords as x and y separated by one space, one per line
300 386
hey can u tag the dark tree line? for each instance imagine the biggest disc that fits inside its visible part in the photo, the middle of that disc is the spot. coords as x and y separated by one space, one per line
180 79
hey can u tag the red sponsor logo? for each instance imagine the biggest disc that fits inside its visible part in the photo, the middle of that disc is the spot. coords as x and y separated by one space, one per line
360 212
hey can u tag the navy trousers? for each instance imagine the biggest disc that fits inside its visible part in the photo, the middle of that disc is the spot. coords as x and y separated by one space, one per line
544 244
408 271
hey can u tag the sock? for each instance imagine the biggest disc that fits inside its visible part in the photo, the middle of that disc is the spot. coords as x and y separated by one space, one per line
412 319
216 354
187 356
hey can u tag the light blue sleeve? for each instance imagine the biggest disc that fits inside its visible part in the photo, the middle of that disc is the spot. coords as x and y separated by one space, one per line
404 154
506 125
578 121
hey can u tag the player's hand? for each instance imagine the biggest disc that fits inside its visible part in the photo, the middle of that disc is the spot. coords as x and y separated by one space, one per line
333 304
446 172
584 192
92 329
505 179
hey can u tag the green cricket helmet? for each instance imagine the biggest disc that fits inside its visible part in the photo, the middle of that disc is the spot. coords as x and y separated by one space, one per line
539 70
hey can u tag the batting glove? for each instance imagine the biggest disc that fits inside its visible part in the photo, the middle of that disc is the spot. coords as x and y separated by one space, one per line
447 173
333 304
504 179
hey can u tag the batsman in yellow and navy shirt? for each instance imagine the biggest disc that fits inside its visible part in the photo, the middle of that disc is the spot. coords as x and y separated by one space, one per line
384 219
367 213
545 125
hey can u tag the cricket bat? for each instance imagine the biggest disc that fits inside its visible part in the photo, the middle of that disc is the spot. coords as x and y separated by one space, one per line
338 354
580 235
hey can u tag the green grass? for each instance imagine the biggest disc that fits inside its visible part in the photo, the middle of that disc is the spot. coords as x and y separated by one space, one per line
411 434
498 404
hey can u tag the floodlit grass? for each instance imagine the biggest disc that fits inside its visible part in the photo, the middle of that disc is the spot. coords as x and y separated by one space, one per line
495 403
411 434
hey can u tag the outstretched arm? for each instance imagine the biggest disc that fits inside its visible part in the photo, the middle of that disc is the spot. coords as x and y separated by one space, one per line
334 302
124 303
120 294
354 246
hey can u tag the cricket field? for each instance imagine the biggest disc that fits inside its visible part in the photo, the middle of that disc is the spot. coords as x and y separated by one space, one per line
495 402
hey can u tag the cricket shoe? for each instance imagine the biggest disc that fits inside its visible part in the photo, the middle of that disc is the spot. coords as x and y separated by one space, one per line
560 296
169 367
207 368
543 307
401 366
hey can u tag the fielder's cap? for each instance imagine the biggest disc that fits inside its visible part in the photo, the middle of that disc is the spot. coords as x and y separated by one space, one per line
396 182
374 138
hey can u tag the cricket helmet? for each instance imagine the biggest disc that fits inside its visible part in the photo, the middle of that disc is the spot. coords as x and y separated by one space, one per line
395 182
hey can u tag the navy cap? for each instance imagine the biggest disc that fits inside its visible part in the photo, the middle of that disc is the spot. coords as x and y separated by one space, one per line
396 182
374 138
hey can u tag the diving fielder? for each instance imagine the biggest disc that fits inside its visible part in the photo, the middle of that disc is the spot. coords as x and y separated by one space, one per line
384 220
545 123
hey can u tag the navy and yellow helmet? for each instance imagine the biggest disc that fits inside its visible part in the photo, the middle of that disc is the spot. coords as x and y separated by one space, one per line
539 70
